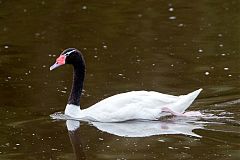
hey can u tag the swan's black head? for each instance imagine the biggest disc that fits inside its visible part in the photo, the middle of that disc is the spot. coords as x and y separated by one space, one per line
69 56
74 57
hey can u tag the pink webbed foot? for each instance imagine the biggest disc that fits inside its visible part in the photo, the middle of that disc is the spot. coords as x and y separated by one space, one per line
168 110
193 114
186 114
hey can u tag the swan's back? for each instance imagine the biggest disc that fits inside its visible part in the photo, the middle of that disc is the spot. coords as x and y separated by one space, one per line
146 99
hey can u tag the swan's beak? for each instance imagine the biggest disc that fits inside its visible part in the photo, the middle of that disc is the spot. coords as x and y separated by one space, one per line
59 62
55 65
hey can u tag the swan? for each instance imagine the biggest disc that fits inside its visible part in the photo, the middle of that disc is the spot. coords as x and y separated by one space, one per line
134 105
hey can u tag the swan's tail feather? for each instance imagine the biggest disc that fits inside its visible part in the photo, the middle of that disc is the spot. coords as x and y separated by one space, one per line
185 101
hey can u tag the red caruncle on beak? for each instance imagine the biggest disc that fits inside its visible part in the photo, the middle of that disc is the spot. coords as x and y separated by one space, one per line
61 59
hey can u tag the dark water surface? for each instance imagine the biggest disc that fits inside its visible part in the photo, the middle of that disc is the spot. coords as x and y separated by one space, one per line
170 46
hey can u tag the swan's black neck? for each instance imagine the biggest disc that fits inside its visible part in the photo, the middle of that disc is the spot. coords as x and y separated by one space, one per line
77 85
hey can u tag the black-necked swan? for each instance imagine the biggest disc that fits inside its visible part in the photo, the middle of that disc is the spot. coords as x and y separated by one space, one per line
134 105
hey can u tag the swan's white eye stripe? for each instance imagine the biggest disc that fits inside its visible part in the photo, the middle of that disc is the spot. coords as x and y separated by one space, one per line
69 52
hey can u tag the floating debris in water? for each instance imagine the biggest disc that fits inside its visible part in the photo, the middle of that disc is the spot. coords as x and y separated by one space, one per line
220 35
140 15
180 25
6 47
220 45
5 29
105 47
84 7
207 73
172 18
37 34
161 140
200 50
226 68
171 9
223 54
63 91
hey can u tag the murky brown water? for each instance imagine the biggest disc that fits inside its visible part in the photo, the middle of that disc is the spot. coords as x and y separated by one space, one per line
169 46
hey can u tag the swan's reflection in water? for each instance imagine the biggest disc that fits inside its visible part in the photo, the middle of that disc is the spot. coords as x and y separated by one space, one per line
133 129
75 140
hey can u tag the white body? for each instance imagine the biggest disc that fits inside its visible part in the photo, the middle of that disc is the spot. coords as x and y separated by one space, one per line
144 105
